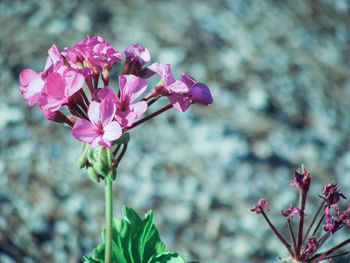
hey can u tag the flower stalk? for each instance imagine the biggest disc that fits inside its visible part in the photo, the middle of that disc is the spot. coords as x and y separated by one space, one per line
109 217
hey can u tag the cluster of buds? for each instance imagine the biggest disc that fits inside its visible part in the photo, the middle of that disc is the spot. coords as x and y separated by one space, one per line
305 247
99 116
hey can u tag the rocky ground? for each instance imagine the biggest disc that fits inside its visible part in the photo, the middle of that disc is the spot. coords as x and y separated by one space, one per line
279 74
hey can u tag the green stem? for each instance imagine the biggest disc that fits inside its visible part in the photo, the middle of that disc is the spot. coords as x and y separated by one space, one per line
109 217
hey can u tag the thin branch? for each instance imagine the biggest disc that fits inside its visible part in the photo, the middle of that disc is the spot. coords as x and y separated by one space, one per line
275 231
292 236
313 220
149 117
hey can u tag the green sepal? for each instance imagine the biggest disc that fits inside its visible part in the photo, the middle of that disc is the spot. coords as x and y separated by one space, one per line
124 139
90 155
92 173
83 158
102 162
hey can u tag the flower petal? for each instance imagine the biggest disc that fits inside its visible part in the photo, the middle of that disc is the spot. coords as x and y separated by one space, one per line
200 93
131 87
138 108
164 71
188 80
107 111
180 102
137 52
178 87
74 81
53 58
94 112
32 84
55 86
107 93
27 76
84 131
112 132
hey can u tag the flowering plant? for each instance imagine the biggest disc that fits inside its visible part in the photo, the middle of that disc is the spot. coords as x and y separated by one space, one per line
306 245
100 118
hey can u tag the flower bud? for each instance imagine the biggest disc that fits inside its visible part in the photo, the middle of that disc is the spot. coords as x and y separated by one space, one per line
101 163
93 175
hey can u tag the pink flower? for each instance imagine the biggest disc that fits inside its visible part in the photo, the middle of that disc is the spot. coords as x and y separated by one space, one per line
94 52
104 54
59 88
101 129
131 87
137 53
31 85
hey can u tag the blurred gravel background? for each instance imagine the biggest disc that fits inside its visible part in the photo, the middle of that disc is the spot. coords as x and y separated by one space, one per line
279 74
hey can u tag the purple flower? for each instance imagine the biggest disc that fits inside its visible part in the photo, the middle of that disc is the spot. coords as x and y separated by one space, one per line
291 211
311 247
302 179
331 194
198 93
101 129
262 204
334 223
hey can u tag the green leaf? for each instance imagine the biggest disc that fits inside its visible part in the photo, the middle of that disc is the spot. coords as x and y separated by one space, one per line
123 140
167 257
135 240
92 260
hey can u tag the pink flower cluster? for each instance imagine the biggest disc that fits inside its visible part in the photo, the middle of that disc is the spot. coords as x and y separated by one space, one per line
100 116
